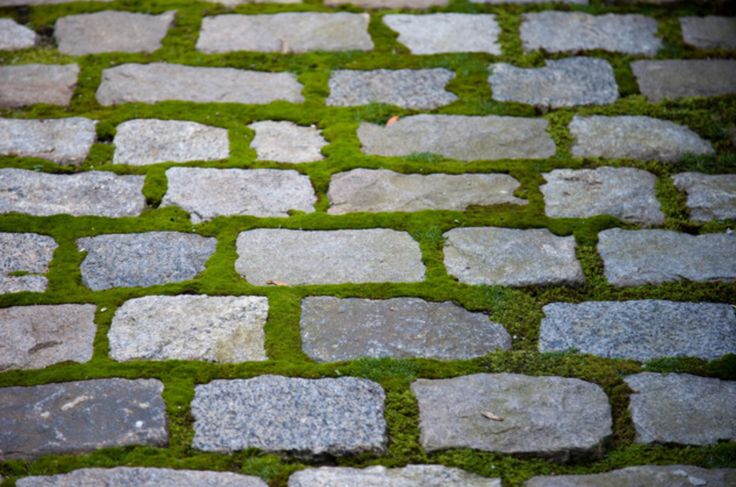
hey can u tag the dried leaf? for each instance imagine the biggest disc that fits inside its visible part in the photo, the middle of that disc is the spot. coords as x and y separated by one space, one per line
392 120
277 283
491 416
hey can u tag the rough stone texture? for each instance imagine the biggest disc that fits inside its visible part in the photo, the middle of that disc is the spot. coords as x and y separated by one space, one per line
524 2
94 193
62 140
328 257
638 257
646 475
685 77
13 3
577 31
460 137
187 327
151 83
15 36
26 253
409 476
624 192
149 141
682 408
709 32
81 416
111 31
564 83
28 84
286 32
547 416
511 257
709 196
297 416
336 329
640 330
142 477
634 137
382 190
286 142
418 89
34 337
439 33
392 4
233 3
143 259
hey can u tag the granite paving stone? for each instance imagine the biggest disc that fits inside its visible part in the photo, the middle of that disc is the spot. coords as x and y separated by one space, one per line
526 2
682 408
142 477
34 337
299 257
155 82
624 192
638 257
709 32
564 83
553 417
73 417
14 36
649 475
635 137
305 417
295 32
13 3
418 89
28 84
709 196
287 142
92 193
234 3
190 327
111 31
441 33
61 140
640 330
391 4
334 329
25 260
379 190
143 259
677 78
460 137
209 193
409 476
511 257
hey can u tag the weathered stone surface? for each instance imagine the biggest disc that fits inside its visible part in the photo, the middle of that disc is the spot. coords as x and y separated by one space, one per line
28 254
72 417
709 196
638 257
336 329
142 477
624 192
188 327
460 137
439 33
547 416
149 141
328 257
640 330
382 190
564 83
62 140
286 142
143 259
298 416
15 36
233 3
151 83
634 137
392 4
13 3
34 337
649 475
286 32
419 89
94 193
682 408
677 78
511 257
209 193
709 32
111 31
577 31
523 2
409 476
28 84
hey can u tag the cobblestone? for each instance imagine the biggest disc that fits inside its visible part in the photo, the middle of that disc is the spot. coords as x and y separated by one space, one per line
677 78
25 260
709 196
29 84
14 36
61 140
440 33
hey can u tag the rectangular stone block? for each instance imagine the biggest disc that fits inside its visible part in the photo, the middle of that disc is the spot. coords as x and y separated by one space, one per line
409 476
446 32
677 78
25 260
392 4
14 36
284 141
709 32
645 475
142 477
61 140
29 84
14 3
709 196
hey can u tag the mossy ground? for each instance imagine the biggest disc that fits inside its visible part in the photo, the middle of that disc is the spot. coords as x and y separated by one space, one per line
520 310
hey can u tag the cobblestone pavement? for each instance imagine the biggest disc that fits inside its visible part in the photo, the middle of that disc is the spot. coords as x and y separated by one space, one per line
367 242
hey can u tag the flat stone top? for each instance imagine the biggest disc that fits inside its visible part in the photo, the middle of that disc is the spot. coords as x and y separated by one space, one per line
13 3
709 196
29 254
142 477
392 4
15 36
709 32
286 142
409 476
29 84
649 475
440 33
525 2
61 140
679 78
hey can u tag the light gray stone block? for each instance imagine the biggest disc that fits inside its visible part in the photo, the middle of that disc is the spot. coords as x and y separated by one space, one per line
14 36
709 196
287 142
709 32
392 4
14 3
25 258
233 3
649 475
29 84
677 78
142 477
61 140
409 476
447 32
527 2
